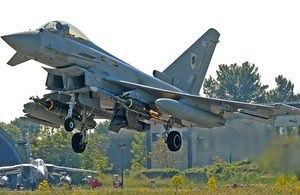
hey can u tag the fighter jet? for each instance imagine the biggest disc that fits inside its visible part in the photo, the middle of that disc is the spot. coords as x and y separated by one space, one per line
36 170
88 83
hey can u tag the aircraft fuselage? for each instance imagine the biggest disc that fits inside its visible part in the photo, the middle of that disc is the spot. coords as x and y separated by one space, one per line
58 52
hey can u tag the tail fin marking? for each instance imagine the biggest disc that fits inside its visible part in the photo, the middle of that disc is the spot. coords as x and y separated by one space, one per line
188 71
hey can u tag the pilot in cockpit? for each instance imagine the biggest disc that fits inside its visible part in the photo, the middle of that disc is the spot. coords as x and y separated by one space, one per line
64 29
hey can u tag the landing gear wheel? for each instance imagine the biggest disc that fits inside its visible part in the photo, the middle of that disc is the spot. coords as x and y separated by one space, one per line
77 144
69 124
34 186
174 141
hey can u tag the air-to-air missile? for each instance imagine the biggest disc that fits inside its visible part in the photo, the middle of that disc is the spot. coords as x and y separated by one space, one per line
40 112
53 105
136 106
253 117
32 119
190 113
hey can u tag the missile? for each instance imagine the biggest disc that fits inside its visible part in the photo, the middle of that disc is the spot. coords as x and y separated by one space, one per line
287 108
40 112
52 105
39 121
137 106
189 113
254 118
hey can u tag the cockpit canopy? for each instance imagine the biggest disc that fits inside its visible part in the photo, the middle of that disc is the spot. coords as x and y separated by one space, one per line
64 29
39 162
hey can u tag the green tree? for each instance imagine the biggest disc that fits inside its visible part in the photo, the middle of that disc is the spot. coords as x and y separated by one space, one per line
12 130
284 91
25 126
102 127
139 151
234 82
282 155
54 146
92 157
162 157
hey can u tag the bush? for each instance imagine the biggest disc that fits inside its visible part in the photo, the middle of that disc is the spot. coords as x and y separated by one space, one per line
222 170
162 173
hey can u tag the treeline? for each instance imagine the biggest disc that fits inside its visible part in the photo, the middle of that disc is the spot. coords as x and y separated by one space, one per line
242 83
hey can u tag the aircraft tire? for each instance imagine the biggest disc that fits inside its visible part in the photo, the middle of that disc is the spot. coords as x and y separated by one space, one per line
69 124
34 186
77 145
174 141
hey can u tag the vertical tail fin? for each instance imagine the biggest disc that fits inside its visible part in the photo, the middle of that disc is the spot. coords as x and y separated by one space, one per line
28 147
188 71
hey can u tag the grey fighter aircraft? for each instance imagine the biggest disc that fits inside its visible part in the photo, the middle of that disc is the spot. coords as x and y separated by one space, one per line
36 170
89 83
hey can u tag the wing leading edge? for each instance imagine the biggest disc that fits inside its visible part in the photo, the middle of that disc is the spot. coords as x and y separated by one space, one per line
14 169
51 168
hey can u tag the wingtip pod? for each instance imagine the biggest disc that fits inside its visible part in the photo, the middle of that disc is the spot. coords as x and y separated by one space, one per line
287 108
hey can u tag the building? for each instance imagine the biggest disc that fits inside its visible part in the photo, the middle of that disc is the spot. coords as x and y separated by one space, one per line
239 139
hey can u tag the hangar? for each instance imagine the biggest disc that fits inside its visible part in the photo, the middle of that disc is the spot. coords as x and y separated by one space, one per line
8 150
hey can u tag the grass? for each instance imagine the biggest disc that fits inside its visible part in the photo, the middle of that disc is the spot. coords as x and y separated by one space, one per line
257 189
142 185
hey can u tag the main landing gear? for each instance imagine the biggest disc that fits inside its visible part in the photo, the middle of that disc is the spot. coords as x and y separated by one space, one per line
173 137
78 143
79 139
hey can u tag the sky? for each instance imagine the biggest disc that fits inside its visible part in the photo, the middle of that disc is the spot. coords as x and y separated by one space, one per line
150 35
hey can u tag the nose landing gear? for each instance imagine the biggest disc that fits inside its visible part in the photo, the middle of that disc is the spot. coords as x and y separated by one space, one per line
69 121
69 124
79 141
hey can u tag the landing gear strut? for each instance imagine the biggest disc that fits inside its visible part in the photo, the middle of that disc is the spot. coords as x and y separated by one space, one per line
173 137
79 139
69 121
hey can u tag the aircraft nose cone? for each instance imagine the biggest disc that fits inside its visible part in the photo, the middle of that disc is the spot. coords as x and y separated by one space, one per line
27 43
40 175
